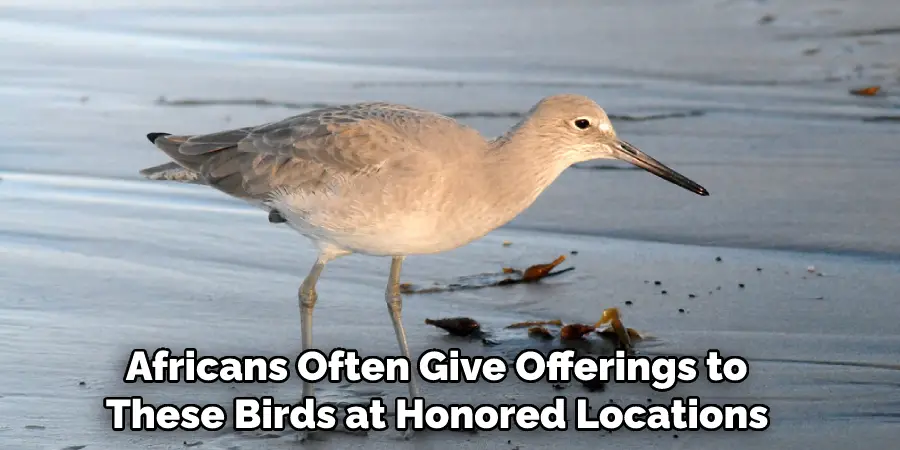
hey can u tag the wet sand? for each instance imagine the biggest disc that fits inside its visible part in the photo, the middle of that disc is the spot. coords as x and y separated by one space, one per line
95 262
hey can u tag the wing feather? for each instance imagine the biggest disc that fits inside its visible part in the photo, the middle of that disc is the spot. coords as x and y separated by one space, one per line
304 152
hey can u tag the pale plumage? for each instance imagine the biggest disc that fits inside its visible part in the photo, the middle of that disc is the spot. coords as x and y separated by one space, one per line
343 175
391 180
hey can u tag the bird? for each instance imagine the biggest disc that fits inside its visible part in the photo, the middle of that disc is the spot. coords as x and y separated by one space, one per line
390 180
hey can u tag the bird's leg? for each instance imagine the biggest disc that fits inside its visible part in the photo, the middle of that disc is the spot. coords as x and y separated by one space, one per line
308 297
395 304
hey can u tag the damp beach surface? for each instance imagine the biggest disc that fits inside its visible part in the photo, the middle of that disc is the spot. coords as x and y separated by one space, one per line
793 262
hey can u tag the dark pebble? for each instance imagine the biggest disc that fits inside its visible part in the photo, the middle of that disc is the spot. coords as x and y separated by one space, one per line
759 269
691 295
681 310
628 302
657 283
573 252
649 400
664 292
741 285
674 436
558 387
82 383
718 259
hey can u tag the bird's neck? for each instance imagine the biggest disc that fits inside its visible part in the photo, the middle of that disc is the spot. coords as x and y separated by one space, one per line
518 170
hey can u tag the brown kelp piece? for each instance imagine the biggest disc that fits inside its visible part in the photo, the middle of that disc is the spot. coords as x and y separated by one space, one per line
539 332
457 326
533 323
866 91
616 332
574 331
623 337
609 314
507 276
538 271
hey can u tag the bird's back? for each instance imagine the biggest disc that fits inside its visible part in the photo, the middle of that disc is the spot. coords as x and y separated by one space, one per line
309 151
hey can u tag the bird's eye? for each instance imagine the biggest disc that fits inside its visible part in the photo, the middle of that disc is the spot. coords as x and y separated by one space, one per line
583 124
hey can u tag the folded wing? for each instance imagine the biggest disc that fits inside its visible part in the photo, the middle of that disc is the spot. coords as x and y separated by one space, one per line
306 152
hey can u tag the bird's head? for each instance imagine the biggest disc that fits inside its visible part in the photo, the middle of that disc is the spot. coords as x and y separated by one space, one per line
576 126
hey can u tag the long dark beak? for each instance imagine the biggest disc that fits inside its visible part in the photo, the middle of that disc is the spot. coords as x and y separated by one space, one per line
629 153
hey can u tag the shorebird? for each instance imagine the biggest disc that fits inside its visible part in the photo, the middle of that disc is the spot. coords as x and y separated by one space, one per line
391 180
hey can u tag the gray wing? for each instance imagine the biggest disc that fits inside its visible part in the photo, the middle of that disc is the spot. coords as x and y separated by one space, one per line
304 152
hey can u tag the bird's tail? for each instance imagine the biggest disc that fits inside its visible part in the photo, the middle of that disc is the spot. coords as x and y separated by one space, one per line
170 171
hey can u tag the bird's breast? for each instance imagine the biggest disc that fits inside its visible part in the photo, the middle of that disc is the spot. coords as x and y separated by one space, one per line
426 219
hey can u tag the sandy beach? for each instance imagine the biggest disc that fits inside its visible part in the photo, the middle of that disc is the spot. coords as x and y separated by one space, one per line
791 263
